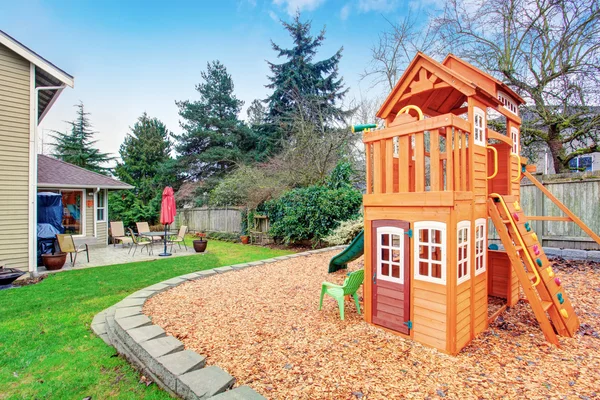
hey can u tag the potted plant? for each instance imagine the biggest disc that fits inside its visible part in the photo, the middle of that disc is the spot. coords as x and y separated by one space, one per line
200 243
54 261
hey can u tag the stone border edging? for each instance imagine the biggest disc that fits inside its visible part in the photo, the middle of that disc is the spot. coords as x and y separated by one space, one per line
150 350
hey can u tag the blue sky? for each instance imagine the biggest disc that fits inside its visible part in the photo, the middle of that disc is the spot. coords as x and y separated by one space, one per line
134 56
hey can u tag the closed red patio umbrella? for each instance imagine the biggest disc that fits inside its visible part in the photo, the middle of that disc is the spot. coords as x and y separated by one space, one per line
167 212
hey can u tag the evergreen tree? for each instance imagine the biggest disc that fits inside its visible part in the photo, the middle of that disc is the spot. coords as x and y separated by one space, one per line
77 146
214 139
146 163
301 80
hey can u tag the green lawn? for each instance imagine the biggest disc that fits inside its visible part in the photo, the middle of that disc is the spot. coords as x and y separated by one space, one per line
47 349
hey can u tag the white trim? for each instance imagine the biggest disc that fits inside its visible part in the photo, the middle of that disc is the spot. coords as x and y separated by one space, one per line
508 103
32 222
35 59
66 186
435 225
514 135
460 226
51 103
393 231
481 222
83 210
98 206
479 137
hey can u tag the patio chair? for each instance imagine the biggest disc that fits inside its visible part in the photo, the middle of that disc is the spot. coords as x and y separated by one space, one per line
140 241
180 238
67 245
350 286
144 227
117 231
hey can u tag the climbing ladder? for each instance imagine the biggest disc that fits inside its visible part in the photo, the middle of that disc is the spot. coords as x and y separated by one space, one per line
543 289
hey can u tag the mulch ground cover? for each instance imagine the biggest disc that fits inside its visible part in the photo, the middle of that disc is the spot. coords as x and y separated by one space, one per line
262 325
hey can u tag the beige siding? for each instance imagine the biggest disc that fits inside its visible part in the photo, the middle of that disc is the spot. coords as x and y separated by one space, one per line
14 159
102 232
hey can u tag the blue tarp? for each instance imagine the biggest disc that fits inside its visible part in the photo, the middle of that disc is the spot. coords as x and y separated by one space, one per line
50 210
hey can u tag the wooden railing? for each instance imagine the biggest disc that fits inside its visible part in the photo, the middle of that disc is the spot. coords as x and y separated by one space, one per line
426 155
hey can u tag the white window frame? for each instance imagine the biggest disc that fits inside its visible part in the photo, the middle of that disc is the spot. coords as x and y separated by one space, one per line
390 230
508 103
435 225
462 225
480 253
479 130
514 135
103 207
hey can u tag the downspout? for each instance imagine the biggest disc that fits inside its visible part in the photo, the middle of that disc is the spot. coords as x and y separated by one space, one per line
33 146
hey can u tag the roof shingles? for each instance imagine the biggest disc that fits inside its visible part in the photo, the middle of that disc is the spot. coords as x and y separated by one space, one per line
57 173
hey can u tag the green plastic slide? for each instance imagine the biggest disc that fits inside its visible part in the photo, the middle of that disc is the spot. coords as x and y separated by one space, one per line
354 250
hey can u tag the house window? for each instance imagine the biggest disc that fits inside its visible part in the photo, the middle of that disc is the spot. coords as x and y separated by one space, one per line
101 206
508 103
463 257
430 251
479 127
390 254
73 211
480 239
514 133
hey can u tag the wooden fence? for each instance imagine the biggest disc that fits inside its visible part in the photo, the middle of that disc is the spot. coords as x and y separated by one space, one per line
227 220
581 196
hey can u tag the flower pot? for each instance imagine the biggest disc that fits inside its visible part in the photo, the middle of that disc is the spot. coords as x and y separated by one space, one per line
244 239
200 245
55 261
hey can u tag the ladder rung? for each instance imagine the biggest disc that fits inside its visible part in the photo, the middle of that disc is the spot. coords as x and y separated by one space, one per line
546 305
506 221
518 248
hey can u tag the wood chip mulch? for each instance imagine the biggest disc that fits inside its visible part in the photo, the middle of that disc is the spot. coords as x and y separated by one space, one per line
262 326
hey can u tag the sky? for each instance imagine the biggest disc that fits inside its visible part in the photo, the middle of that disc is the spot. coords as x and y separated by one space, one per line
131 56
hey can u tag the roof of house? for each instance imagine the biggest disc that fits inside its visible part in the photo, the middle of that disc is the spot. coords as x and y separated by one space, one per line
46 73
53 173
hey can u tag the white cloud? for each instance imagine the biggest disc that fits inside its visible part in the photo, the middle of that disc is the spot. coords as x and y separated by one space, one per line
345 12
292 6
377 5
273 16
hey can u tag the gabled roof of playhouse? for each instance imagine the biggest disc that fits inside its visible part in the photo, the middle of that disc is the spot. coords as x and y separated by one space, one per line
439 88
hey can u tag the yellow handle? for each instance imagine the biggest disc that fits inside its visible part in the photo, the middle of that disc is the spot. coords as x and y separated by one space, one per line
495 161
518 178
417 109
525 251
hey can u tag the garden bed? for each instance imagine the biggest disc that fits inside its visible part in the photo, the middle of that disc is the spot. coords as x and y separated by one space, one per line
262 326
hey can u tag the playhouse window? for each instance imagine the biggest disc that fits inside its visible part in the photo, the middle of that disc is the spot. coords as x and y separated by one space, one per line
430 251
514 133
480 238
390 254
479 128
463 258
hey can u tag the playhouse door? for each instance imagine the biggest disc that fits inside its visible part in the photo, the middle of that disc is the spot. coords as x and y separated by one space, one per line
391 279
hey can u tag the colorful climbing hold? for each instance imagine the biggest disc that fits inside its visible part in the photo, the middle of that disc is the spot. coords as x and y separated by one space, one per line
517 206
534 236
560 298
564 313
536 249
527 226
550 272
515 216
557 281
538 262
493 246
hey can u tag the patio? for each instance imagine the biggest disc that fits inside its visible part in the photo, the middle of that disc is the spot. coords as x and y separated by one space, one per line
119 254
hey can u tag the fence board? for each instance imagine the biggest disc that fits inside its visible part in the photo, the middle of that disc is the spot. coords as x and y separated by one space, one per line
227 220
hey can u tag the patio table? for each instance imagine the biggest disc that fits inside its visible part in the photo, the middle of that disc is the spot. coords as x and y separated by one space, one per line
161 234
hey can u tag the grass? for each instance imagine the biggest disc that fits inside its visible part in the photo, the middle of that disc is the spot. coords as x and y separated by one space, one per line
47 349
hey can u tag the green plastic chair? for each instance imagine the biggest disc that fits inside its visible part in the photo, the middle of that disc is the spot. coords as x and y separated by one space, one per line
350 286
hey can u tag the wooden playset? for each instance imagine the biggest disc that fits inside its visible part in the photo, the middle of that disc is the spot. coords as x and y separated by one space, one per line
436 173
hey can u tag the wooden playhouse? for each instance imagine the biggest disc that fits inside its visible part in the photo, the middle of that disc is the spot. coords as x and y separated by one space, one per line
436 176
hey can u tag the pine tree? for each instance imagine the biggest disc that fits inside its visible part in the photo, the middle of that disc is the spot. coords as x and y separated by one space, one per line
303 85
77 146
214 139
146 163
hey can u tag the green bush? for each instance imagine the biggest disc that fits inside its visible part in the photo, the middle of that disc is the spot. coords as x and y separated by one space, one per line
312 213
344 233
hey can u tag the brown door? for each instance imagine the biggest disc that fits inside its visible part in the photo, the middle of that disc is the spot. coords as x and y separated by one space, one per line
391 275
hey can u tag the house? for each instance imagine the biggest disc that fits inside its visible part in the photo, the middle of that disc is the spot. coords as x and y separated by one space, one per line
84 197
29 86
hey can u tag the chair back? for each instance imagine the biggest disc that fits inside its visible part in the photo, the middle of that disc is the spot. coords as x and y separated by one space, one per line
182 231
142 227
66 243
353 281
117 229
133 237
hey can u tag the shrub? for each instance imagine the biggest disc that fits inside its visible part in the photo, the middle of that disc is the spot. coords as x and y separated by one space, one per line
344 233
311 213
